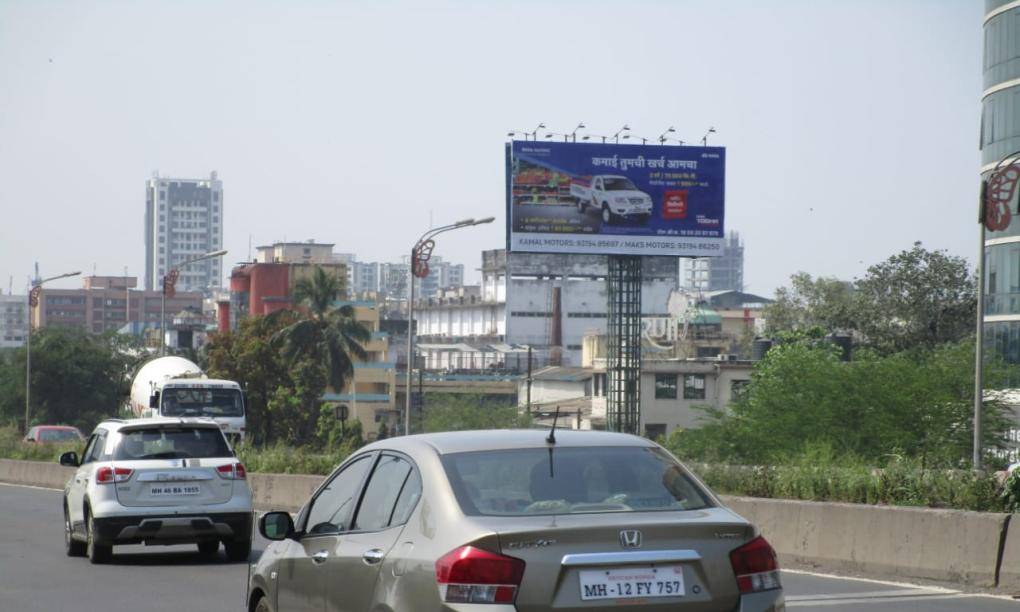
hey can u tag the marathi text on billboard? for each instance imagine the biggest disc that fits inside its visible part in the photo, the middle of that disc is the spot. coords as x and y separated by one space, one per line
615 199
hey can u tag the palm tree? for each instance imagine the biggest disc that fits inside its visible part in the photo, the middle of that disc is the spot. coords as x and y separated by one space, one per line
326 334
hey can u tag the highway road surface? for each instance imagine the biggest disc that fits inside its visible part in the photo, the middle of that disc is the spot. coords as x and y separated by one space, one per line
36 576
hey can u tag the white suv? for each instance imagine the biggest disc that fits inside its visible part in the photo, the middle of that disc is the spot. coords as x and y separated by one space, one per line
157 481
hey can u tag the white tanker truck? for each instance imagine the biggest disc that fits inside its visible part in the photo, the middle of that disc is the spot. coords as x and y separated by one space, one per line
176 387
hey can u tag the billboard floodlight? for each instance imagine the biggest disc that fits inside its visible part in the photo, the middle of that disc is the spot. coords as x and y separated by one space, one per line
704 139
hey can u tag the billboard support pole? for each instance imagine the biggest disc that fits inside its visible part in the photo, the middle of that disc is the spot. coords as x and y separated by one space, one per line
623 410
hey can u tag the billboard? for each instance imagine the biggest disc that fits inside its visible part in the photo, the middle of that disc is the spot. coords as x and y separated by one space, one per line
565 197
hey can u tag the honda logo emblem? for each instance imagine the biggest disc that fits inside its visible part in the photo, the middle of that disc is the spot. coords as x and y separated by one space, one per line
630 538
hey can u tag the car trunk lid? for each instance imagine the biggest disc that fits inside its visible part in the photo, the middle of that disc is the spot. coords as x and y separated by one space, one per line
174 482
648 561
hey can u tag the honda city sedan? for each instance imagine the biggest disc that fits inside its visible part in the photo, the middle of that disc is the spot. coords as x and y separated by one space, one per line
513 521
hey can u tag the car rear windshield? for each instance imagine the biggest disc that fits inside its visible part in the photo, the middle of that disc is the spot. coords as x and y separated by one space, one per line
58 435
619 184
172 443
185 402
569 480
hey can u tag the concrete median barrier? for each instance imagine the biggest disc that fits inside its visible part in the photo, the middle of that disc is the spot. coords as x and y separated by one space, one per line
35 473
971 548
946 545
282 491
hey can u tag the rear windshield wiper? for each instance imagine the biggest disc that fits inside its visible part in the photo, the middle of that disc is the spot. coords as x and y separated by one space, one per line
167 455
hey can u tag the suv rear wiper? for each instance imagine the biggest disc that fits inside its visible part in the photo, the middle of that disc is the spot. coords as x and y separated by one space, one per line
166 455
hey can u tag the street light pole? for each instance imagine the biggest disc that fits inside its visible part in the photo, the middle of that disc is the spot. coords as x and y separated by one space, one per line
996 200
423 244
33 300
170 280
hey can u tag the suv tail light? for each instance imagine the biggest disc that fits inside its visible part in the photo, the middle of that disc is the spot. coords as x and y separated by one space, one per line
755 566
109 475
473 575
232 471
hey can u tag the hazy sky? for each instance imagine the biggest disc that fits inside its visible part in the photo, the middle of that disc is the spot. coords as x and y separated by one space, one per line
851 127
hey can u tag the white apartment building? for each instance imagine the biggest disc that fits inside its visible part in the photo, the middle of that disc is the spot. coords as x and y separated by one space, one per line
296 252
725 273
390 279
183 219
13 320
547 302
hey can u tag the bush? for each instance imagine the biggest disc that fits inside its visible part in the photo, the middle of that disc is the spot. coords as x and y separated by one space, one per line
282 459
916 404
820 476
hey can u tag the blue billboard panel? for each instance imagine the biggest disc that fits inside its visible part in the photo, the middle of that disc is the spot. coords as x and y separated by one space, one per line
566 197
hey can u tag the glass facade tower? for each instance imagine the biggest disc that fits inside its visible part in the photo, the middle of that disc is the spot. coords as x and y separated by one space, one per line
1000 138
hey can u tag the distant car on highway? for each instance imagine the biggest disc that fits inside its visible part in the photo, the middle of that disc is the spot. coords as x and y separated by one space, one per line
616 197
54 434
513 521
157 481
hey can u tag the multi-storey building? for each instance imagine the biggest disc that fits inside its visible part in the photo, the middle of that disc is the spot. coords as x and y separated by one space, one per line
1000 138
264 287
674 393
183 220
546 302
370 396
442 275
393 280
724 273
107 303
362 277
296 252
13 320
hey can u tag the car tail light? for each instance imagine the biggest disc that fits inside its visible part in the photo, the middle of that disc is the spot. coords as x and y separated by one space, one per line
109 475
232 471
755 566
473 575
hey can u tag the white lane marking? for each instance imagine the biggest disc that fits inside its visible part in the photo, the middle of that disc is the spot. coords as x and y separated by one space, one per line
870 595
861 602
904 585
910 590
25 486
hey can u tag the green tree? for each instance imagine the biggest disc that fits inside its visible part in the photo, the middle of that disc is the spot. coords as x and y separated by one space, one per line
248 356
916 298
810 303
326 334
77 378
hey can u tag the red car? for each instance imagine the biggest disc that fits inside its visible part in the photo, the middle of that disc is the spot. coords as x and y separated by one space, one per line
54 434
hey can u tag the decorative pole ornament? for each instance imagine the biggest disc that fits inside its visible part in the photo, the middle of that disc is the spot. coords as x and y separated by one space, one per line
170 283
33 296
420 262
999 193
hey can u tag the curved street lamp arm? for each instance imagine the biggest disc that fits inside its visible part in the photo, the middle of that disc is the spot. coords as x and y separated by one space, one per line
46 280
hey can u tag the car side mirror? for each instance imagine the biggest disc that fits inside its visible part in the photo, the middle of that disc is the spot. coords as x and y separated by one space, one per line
276 526
70 459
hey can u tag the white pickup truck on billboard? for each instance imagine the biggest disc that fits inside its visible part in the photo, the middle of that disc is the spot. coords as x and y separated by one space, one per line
615 197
